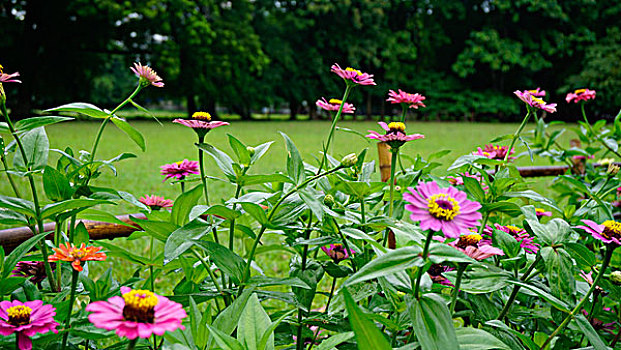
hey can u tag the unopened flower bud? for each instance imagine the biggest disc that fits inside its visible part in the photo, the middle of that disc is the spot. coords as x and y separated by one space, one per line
613 169
606 161
328 200
615 277
250 150
397 188
349 160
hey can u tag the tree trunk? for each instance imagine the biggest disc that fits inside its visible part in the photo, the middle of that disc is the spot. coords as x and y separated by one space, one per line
369 106
191 104
293 110
383 111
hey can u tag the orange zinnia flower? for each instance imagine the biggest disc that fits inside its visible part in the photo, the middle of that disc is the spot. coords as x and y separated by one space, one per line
75 255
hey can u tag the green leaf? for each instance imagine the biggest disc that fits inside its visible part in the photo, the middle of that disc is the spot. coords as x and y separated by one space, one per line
267 339
582 255
481 279
439 253
36 147
478 339
223 161
228 318
226 260
368 336
253 322
56 185
510 208
181 239
394 261
474 188
19 205
184 204
295 166
133 134
247 180
535 197
82 108
525 340
18 253
51 210
256 211
259 151
242 153
588 330
36 122
334 340
160 230
432 323
224 340
545 295
559 272
216 210
555 231
507 243
80 235
310 198
264 281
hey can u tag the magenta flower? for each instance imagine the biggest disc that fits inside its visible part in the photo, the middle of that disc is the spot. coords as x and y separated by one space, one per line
442 209
459 180
179 170
608 232
580 95
535 101
413 100
8 78
33 269
526 241
353 76
147 75
337 252
137 313
155 202
542 212
474 246
395 135
201 123
26 319
537 92
334 105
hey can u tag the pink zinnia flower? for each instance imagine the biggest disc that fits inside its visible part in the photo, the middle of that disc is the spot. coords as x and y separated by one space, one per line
334 105
474 246
445 209
137 313
526 241
33 269
147 75
353 76
535 101
155 202
459 180
201 123
537 92
337 252
26 319
608 232
542 212
580 95
179 170
413 100
395 135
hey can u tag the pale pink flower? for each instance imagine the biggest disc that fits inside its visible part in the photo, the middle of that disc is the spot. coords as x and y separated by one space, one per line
395 135
137 314
8 78
526 241
473 245
413 100
353 76
26 319
147 75
580 95
542 212
155 202
201 123
535 101
442 209
179 170
334 105
337 252
608 232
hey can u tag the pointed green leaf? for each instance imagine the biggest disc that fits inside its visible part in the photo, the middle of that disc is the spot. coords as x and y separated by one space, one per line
368 336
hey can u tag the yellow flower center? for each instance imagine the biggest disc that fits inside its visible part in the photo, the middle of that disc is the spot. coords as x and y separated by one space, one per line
539 210
396 126
334 101
514 230
469 240
202 116
532 91
538 100
1 69
139 306
19 315
611 229
442 206
179 162
579 91
349 69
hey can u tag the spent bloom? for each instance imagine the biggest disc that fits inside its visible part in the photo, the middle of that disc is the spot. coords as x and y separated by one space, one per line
526 241
334 105
155 202
608 232
580 95
8 78
33 269
442 209
412 100
435 273
147 76
353 76
395 135
201 123
70 253
337 252
473 245
534 101
137 313
26 319
179 170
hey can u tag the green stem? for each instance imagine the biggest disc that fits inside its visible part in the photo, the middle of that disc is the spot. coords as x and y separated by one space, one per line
211 275
484 222
299 345
132 344
420 269
404 111
6 171
362 215
201 168
607 257
517 134
590 128
353 264
74 284
516 289
393 166
332 289
333 127
461 268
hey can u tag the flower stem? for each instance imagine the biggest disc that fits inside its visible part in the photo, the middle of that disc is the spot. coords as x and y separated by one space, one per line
461 268
74 284
610 249
211 275
404 111
325 312
8 175
393 166
201 168
132 344
299 345
516 135
420 269
516 289
362 215
331 134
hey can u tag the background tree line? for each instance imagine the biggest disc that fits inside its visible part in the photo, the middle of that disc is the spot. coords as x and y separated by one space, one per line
466 56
